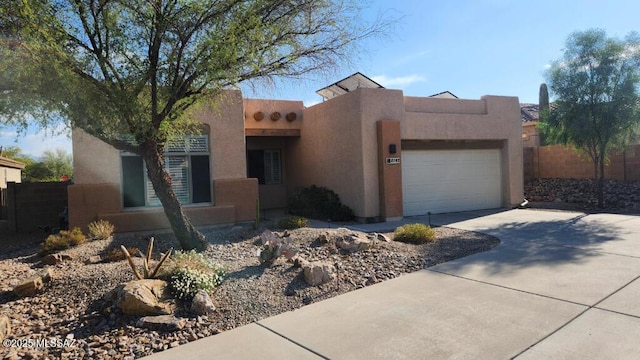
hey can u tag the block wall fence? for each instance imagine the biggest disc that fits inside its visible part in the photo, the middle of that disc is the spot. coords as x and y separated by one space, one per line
556 161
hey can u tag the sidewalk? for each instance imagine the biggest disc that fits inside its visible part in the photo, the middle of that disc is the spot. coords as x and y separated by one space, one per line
561 285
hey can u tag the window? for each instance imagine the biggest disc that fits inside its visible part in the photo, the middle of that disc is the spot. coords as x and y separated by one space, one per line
187 162
265 165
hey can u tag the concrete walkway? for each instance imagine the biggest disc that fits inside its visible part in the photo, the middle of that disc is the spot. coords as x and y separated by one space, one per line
561 285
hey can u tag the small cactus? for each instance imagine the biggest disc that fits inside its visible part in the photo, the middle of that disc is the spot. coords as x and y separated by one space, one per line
148 273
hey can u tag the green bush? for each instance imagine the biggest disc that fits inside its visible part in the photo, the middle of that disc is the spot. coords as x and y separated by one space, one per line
294 222
64 240
415 233
189 272
101 229
318 202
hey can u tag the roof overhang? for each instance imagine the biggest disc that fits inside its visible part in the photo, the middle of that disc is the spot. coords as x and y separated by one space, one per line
10 163
348 84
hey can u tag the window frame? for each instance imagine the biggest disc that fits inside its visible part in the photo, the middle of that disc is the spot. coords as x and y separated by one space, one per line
268 167
173 150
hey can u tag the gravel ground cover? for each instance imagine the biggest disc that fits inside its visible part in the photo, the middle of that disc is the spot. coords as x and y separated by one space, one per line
71 314
578 195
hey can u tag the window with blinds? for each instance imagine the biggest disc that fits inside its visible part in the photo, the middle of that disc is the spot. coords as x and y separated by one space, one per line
272 172
187 162
265 165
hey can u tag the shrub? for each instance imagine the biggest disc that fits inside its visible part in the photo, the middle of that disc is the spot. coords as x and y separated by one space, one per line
415 233
101 229
64 240
293 222
190 272
318 202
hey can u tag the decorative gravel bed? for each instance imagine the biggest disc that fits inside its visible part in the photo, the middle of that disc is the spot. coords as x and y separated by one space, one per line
578 195
71 311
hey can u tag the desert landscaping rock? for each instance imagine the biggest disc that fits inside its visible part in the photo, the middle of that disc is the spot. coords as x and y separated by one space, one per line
202 304
94 259
578 194
73 303
354 242
319 272
161 323
54 259
144 297
381 237
5 327
33 284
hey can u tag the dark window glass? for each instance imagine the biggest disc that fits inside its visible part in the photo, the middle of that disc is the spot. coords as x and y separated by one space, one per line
132 181
200 178
255 165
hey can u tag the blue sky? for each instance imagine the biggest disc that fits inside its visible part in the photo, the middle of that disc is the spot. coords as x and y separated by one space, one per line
471 48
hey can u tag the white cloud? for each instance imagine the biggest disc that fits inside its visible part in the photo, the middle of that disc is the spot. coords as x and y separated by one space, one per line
34 143
401 81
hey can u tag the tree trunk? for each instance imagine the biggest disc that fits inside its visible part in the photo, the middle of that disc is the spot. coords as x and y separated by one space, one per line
188 236
601 182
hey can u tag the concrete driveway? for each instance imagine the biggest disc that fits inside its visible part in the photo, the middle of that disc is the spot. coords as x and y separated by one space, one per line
561 285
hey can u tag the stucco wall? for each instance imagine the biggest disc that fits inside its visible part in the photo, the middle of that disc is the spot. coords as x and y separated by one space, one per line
329 150
9 175
224 115
94 161
268 108
97 192
338 147
530 134
491 118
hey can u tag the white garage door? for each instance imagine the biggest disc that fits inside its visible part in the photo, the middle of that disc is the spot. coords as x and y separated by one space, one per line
440 181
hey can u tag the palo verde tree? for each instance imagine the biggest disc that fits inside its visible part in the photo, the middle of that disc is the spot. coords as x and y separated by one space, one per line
595 84
126 71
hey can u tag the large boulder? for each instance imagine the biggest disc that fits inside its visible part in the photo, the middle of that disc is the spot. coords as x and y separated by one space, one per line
354 242
33 284
144 297
318 272
202 304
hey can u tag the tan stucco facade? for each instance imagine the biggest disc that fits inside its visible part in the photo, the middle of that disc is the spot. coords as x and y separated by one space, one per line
10 171
530 134
343 144
352 132
97 190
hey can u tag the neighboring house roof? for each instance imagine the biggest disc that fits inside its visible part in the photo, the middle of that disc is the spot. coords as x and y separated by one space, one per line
529 112
445 94
10 163
350 83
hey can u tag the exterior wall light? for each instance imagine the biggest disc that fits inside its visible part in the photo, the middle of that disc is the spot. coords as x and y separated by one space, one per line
392 148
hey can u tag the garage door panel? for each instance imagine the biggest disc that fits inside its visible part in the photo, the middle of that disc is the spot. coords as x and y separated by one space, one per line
450 180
